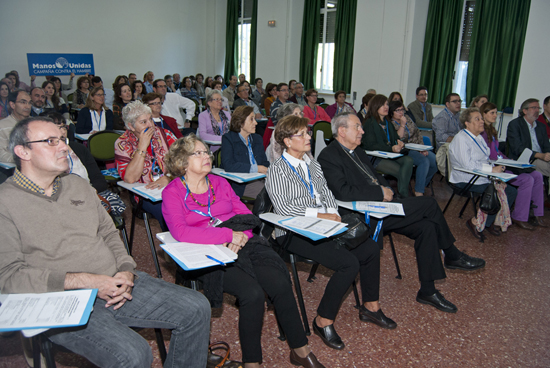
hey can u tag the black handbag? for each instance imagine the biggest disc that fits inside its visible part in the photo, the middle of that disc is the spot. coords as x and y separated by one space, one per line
358 231
489 203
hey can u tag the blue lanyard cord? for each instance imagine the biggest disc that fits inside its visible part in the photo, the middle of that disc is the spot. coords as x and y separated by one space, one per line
155 166
406 128
387 132
378 226
250 152
98 122
187 194
310 186
72 164
314 112
476 142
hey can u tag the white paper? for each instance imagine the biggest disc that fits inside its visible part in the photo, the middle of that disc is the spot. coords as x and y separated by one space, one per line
418 147
525 156
502 176
383 154
315 225
390 208
194 255
237 177
349 206
154 195
82 137
58 309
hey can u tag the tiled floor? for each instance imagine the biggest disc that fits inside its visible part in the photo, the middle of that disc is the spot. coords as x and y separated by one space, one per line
502 319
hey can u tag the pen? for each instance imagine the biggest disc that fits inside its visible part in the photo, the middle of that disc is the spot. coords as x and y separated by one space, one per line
215 260
145 130
382 153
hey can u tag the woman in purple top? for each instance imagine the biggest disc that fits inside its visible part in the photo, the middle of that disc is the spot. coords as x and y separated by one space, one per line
340 105
530 185
195 204
214 121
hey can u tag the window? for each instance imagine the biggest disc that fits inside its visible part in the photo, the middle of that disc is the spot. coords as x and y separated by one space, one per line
325 51
245 24
461 70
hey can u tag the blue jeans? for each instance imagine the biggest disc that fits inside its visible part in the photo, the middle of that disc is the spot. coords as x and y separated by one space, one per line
426 167
107 341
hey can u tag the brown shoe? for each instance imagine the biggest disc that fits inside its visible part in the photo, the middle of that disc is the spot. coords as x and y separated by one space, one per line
538 221
523 225
493 230
309 362
473 229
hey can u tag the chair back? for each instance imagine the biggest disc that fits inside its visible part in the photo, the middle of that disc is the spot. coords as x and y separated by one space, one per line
324 105
426 140
319 142
325 126
218 158
263 204
102 145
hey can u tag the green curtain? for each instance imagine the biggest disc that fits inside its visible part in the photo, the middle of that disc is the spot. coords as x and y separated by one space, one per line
231 39
310 42
443 30
344 44
253 34
496 50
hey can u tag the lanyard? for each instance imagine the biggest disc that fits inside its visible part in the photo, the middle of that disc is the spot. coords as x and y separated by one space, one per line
339 110
95 119
250 152
378 226
187 194
423 110
476 142
406 128
310 186
155 167
314 112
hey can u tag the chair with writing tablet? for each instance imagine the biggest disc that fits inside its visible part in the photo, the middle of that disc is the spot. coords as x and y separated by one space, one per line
102 148
262 205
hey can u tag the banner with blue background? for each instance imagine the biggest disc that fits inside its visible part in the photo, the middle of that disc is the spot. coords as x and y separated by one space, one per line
60 64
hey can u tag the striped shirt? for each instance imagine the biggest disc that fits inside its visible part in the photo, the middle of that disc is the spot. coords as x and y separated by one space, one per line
289 194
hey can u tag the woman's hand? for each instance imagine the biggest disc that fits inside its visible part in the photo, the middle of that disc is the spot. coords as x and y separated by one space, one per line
398 147
159 184
239 238
235 248
144 138
499 169
262 169
403 121
425 153
388 194
329 216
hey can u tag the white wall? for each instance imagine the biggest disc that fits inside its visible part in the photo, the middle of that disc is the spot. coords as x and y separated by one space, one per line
166 36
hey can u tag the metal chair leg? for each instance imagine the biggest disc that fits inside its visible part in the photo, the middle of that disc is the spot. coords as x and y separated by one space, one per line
299 293
395 258
312 272
152 244
160 343
356 294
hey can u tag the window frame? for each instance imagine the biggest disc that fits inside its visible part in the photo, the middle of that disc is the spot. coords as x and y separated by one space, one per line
323 47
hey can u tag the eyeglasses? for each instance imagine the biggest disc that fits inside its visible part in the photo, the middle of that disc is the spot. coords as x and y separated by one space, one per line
535 108
24 102
216 100
455 101
52 141
154 103
200 153
312 95
303 135
400 110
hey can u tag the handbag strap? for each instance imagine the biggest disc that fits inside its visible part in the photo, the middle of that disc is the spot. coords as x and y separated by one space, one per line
220 345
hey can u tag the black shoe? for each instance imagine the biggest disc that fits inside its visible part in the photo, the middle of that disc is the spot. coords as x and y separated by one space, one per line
378 318
465 263
437 300
328 335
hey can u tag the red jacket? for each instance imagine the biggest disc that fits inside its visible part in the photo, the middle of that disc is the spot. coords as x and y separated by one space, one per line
313 118
172 125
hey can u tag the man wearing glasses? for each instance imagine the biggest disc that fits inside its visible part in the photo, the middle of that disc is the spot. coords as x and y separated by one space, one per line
40 255
171 105
446 123
526 132
282 98
421 109
20 105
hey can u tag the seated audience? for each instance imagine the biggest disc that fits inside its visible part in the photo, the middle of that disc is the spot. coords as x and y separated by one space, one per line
242 78
9 83
153 100
362 114
421 109
95 116
170 87
188 91
291 86
109 93
38 100
340 105
544 118
351 177
84 251
274 150
257 91
269 97
58 88
298 96
529 181
148 80
526 132
208 85
408 132
131 78
479 101
219 78
217 85
312 111
138 90
396 96
81 94
171 105
282 98
297 187
140 151
176 78
22 85
199 85
123 96
230 91
243 151
53 101
20 107
257 271
244 100
446 124
381 136
4 107
469 151
214 122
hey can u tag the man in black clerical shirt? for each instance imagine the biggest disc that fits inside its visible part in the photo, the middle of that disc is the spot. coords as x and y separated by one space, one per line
351 177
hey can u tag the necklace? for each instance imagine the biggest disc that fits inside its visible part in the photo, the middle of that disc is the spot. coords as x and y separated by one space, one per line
193 198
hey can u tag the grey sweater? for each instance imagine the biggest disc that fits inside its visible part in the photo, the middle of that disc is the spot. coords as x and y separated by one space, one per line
44 238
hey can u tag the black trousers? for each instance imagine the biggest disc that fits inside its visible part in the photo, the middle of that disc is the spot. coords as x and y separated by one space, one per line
425 224
364 259
250 294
